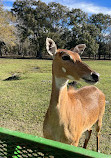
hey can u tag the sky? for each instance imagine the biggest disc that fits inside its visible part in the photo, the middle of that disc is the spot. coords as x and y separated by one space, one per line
88 6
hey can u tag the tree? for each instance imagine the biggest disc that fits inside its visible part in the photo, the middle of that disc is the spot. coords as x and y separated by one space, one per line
82 31
103 23
58 23
32 22
77 17
7 29
36 20
57 15
92 46
108 38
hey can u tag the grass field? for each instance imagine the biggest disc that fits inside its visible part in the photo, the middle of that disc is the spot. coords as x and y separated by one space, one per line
23 102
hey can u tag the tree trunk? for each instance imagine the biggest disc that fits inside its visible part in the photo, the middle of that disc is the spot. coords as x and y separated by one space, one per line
39 55
95 56
0 51
39 51
109 55
104 56
99 56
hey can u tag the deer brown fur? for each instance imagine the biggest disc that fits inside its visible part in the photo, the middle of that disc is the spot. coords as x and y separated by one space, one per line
72 112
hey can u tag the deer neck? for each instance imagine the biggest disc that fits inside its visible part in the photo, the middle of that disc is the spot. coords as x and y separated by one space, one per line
59 88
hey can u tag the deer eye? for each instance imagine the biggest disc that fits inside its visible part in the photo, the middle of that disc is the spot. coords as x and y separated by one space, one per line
66 57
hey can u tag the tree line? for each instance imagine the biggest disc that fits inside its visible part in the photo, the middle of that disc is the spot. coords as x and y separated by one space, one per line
29 22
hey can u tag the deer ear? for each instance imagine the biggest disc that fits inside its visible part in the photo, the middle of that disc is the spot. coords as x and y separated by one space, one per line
79 48
51 46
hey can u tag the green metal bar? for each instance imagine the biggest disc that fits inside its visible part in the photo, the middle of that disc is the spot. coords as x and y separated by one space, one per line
54 144
16 152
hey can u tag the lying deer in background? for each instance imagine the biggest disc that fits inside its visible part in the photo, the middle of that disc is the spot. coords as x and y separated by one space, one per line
72 112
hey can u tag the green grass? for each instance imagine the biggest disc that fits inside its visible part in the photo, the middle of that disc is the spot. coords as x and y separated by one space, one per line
23 103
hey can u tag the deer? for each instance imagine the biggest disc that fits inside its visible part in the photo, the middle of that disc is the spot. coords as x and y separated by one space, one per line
71 111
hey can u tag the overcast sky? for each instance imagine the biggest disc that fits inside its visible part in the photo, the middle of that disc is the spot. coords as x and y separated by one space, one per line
89 6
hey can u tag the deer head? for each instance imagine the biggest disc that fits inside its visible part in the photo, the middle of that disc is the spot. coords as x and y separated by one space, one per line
68 64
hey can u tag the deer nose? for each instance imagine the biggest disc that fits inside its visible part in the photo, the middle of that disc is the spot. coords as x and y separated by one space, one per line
95 76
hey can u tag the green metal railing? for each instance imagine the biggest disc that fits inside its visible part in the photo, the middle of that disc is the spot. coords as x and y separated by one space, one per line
15 144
